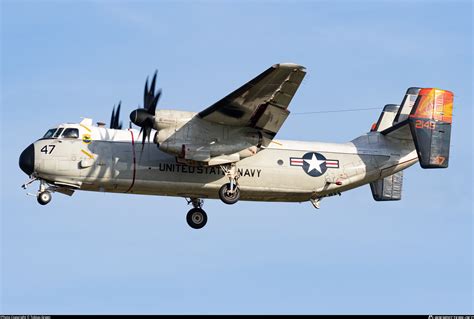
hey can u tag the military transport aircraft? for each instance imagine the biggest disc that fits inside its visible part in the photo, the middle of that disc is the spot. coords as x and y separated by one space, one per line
229 150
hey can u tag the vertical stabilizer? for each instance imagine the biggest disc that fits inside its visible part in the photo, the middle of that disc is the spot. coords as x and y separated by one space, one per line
407 104
388 188
386 118
430 124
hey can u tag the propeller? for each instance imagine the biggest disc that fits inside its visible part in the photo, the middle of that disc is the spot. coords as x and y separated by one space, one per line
145 117
114 119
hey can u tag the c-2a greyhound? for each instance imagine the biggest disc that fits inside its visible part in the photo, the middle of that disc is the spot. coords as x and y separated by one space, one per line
228 150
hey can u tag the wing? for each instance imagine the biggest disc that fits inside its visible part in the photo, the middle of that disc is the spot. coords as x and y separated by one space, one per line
261 103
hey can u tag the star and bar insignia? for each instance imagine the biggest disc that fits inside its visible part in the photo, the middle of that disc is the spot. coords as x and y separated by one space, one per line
314 164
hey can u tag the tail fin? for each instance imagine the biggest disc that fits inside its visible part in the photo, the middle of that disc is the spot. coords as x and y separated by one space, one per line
388 188
386 118
407 104
393 114
427 120
430 124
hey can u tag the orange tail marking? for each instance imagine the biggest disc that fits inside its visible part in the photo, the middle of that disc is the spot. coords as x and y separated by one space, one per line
434 104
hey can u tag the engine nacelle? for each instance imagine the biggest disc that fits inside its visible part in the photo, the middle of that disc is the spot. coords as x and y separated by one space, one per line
207 143
218 153
171 119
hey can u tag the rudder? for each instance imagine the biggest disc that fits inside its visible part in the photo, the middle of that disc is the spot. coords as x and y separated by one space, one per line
430 125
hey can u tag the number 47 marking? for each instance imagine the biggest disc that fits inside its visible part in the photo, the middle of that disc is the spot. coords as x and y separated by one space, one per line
48 150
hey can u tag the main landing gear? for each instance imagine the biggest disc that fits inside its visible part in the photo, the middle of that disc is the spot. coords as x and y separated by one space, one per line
196 217
230 193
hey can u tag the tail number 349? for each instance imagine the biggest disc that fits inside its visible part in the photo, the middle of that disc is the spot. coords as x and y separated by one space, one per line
425 124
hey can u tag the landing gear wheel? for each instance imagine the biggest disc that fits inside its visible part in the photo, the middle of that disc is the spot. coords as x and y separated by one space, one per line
44 197
227 196
196 218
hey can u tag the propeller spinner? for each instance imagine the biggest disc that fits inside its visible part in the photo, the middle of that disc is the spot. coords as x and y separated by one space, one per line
145 117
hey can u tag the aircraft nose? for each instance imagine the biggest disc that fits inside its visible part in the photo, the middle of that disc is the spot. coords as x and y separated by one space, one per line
27 160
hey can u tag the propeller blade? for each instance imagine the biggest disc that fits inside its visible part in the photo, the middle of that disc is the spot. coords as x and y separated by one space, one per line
153 82
145 95
149 95
112 118
152 108
118 125
146 135
144 117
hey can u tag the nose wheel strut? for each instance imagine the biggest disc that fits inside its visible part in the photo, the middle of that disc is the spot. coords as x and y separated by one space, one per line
44 194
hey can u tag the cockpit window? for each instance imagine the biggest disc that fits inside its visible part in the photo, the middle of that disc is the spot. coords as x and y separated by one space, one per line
71 133
58 132
49 133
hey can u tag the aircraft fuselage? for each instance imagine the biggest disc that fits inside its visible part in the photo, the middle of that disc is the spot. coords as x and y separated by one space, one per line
110 160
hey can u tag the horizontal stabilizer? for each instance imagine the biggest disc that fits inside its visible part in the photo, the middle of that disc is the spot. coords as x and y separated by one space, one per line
388 188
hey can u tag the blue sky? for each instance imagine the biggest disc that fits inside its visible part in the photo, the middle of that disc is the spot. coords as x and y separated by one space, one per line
123 254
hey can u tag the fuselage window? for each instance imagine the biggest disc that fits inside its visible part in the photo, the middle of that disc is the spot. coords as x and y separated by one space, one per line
71 133
58 132
49 133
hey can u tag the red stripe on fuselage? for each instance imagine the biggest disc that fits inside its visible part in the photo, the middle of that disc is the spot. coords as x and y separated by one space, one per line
134 162
332 163
296 162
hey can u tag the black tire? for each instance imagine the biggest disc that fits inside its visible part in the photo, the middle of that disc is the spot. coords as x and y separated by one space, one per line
229 198
196 218
44 197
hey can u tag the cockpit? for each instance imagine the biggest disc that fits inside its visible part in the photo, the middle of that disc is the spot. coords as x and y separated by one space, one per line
62 132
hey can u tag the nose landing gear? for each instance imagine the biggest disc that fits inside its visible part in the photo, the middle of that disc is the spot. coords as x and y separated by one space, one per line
44 197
